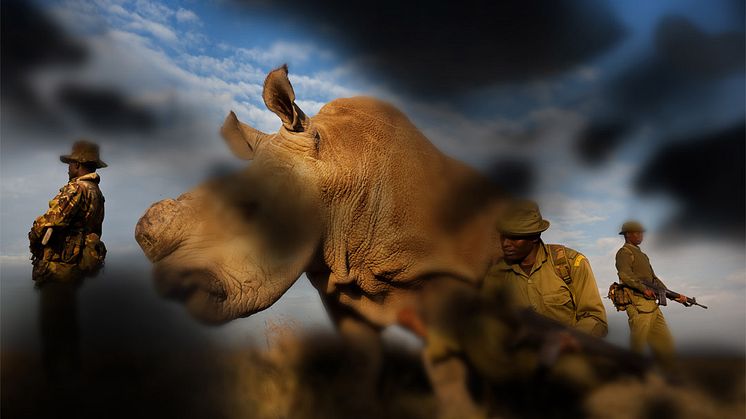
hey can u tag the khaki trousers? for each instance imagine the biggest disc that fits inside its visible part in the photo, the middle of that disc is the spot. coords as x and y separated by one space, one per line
650 329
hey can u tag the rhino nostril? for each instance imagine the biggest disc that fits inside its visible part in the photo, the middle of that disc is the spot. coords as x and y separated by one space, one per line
158 232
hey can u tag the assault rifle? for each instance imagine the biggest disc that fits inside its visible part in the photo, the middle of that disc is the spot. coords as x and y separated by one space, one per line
538 330
663 293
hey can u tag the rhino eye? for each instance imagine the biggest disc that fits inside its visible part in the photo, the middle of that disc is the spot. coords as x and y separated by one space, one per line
249 208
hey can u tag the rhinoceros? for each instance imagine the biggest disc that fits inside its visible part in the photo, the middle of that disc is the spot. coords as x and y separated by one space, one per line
356 197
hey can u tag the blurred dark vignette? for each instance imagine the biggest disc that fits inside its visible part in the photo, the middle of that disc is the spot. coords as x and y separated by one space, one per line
144 357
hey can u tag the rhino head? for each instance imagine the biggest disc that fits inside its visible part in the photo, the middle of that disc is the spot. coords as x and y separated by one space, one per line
234 245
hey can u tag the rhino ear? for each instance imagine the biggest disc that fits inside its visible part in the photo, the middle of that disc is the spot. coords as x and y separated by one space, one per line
241 138
279 97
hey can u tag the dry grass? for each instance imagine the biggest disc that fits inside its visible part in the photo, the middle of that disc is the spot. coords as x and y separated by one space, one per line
314 377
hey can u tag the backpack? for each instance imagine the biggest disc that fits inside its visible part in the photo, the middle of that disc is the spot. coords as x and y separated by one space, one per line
558 254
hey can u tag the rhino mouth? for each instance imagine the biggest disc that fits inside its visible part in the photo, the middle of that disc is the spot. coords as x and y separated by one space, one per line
199 289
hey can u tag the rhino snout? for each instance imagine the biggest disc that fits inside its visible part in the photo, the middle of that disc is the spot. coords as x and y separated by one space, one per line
159 231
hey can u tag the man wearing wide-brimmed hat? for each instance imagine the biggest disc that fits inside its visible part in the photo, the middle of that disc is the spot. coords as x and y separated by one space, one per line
66 246
66 240
646 322
553 280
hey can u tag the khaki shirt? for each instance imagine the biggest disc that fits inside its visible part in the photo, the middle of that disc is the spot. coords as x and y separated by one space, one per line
633 267
577 304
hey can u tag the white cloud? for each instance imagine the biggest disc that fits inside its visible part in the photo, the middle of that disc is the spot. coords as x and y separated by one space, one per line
159 30
154 10
117 10
280 52
575 239
608 245
568 211
186 16
314 87
613 180
310 107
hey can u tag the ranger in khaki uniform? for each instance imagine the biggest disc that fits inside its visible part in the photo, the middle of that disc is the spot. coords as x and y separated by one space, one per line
66 246
65 241
646 322
486 330
553 280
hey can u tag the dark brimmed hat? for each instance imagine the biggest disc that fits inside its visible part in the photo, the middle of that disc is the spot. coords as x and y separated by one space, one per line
84 152
632 226
522 218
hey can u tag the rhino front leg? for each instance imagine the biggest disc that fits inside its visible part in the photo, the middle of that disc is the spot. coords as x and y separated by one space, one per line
364 341
449 377
437 323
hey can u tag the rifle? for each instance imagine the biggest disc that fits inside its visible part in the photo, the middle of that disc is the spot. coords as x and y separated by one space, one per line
536 328
662 293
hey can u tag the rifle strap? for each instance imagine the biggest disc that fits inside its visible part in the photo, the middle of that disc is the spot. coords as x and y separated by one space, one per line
558 254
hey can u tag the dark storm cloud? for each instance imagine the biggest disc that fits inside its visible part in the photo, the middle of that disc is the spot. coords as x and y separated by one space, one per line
30 41
105 108
599 138
33 42
436 48
707 176
704 174
685 60
515 177
717 55
678 74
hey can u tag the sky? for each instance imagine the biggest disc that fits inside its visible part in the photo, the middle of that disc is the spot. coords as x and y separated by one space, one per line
601 111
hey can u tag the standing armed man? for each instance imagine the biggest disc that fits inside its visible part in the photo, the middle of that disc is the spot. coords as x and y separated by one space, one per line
553 280
646 322
66 246
65 241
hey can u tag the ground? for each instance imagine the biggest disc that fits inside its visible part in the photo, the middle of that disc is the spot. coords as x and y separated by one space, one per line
314 377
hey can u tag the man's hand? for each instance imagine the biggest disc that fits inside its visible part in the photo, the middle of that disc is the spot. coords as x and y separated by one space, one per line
682 299
556 344
649 293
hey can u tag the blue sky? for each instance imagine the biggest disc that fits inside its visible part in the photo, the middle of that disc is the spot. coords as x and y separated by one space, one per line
194 61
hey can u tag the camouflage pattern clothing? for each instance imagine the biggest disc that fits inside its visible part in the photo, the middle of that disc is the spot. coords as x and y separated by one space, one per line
576 303
75 216
646 322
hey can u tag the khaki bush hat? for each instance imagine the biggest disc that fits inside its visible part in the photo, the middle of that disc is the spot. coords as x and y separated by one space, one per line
631 227
84 152
522 218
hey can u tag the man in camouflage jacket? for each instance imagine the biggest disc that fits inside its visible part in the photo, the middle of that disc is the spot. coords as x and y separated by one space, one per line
66 246
65 241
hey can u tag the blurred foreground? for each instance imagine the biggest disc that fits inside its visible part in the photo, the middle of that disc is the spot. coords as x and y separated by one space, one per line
315 377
